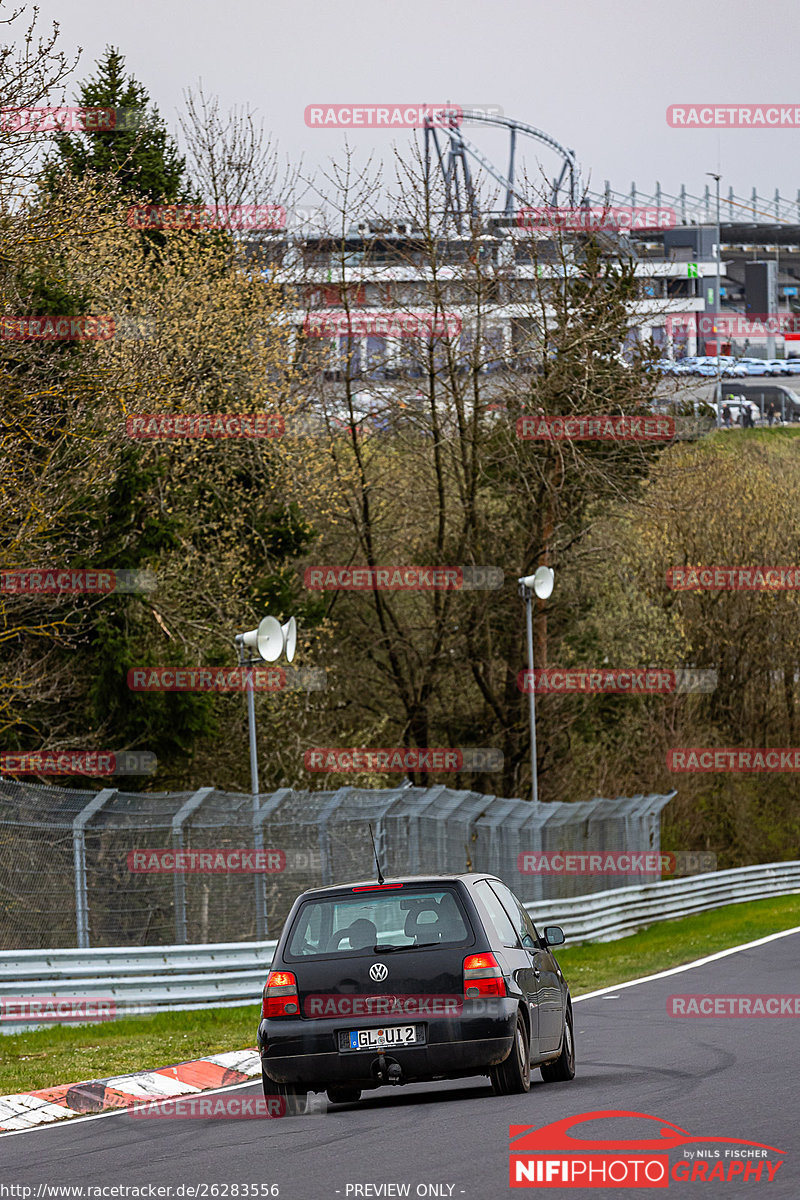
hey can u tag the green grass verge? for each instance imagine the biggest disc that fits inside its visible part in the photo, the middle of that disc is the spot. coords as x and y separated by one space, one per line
670 943
762 433
67 1054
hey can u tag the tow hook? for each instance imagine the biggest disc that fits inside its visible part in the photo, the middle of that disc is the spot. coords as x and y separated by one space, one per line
387 1070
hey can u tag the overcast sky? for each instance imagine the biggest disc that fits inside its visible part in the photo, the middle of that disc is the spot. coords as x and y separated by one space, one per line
597 75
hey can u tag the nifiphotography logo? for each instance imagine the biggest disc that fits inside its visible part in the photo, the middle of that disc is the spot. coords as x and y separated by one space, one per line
554 1157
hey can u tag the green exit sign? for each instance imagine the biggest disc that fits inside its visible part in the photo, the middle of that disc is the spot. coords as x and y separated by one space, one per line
692 271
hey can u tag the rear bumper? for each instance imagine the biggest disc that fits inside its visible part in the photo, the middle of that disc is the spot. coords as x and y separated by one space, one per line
306 1051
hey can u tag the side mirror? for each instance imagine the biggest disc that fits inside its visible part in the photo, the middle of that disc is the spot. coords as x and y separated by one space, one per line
554 935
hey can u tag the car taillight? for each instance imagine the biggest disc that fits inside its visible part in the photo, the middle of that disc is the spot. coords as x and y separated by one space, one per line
483 976
280 995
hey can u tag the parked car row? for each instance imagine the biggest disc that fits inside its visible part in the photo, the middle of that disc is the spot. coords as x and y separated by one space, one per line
729 367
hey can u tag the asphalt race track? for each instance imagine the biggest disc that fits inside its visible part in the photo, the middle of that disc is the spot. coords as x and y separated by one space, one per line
712 1076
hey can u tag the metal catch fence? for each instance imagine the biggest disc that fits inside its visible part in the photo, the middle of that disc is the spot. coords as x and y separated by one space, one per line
81 868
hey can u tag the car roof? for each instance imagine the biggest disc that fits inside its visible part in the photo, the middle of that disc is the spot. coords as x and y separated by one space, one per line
395 879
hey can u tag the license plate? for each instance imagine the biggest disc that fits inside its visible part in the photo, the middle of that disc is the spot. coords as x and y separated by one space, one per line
375 1039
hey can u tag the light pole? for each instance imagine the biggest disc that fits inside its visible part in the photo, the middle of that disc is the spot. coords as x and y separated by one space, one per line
268 642
718 305
541 585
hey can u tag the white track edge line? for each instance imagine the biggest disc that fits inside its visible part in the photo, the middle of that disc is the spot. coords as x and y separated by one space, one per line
698 962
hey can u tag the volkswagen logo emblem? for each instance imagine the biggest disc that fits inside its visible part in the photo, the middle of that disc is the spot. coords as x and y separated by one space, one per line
378 971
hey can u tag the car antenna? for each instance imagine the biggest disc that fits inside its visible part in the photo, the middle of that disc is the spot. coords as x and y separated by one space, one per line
381 880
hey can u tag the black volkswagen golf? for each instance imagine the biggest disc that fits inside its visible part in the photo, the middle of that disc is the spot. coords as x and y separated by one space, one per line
412 979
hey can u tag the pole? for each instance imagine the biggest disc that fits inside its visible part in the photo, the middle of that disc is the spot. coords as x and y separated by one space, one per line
78 855
258 880
247 663
251 721
179 884
719 302
531 693
79 862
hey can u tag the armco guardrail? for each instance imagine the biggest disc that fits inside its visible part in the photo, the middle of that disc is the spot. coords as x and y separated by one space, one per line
159 978
605 916
141 980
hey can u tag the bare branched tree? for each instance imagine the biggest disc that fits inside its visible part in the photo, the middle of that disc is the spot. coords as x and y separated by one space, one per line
231 158
31 74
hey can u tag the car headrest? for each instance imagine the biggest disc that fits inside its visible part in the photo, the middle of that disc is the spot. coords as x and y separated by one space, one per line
362 934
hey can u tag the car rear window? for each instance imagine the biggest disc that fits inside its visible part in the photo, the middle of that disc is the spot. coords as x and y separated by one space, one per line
344 924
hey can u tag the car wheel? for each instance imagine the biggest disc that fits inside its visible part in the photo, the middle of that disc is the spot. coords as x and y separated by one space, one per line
344 1095
513 1076
564 1066
294 1099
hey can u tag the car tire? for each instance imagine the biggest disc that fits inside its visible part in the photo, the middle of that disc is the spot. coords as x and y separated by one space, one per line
344 1095
563 1068
295 1098
512 1077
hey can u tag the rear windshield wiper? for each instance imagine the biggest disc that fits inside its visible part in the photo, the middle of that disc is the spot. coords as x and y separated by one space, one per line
388 949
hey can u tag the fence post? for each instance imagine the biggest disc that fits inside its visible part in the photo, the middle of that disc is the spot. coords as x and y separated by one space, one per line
259 816
394 799
79 861
432 795
324 840
179 884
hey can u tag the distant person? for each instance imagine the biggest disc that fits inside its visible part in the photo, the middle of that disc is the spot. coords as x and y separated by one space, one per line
771 412
726 417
